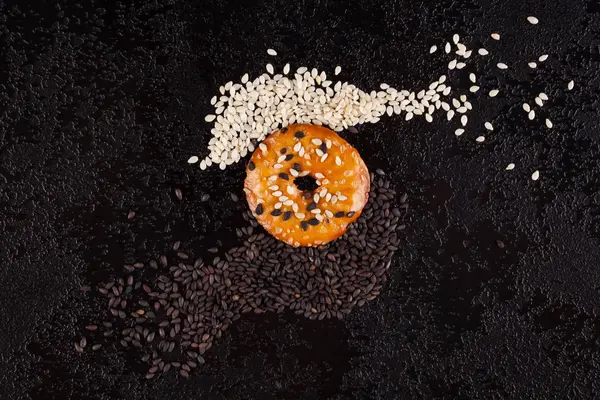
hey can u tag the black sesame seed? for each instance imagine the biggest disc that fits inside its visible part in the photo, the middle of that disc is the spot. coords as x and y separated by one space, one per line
284 129
283 150
304 225
297 167
339 214
313 221
276 213
323 147
307 195
259 209
287 215
251 166
284 176
299 134
311 206
289 157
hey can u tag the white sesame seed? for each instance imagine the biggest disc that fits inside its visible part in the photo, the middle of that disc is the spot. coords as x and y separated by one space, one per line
301 70
483 52
409 116
447 48
433 49
293 172
428 117
270 69
271 52
531 115
277 166
532 65
459 131
489 126
384 86
494 92
532 20
460 65
442 79
274 187
316 141
543 96
278 205
549 123
452 64
536 175
571 85
473 89
300 215
263 148
338 69
480 139
450 114
455 38
455 103
338 160
319 175
526 107
495 36
539 101
210 118
203 165
324 157
472 77
463 120
297 147
193 160
213 100
510 167
286 69
543 58
502 66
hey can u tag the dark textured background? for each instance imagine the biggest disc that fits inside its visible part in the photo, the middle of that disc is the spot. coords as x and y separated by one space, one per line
103 101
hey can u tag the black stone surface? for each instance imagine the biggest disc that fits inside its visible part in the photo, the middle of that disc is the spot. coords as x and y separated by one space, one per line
495 293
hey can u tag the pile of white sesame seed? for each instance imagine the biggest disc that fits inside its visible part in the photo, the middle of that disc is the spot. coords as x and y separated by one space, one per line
246 112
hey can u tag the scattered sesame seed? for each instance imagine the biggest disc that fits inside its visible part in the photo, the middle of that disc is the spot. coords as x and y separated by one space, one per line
502 66
210 118
338 69
526 107
536 175
494 92
495 36
533 20
463 120
549 123
192 160
271 52
286 69
483 52
472 77
433 49
452 64
539 101
270 69
384 86
447 48
480 139
543 58
474 89
532 65
571 85
460 65
543 96
489 126
459 131
531 115
455 38
510 167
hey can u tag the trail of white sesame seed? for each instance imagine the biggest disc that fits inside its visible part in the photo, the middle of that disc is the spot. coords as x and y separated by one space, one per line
271 52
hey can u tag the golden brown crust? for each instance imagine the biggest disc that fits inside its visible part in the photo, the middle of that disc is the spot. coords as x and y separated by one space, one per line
284 210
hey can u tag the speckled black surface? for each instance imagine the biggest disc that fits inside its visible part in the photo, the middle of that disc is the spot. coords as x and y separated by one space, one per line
102 102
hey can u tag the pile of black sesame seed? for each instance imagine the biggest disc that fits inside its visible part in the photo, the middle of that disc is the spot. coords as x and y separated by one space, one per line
174 320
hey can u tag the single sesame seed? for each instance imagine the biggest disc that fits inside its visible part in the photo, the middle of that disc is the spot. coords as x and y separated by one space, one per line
463 120
270 69
447 48
338 160
473 89
532 20
502 66
543 58
539 101
489 126
483 52
433 49
460 65
532 65
494 92
286 69
510 166
384 86
543 96
271 52
455 38
536 175
452 64
210 118
245 78
192 160
459 131
526 107
472 77
495 36
338 69
571 85
480 139
531 115
549 123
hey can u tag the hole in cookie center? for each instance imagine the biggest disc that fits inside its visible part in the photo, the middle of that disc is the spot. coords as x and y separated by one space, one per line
306 183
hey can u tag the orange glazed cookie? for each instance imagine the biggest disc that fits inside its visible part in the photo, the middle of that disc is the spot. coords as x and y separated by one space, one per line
277 192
